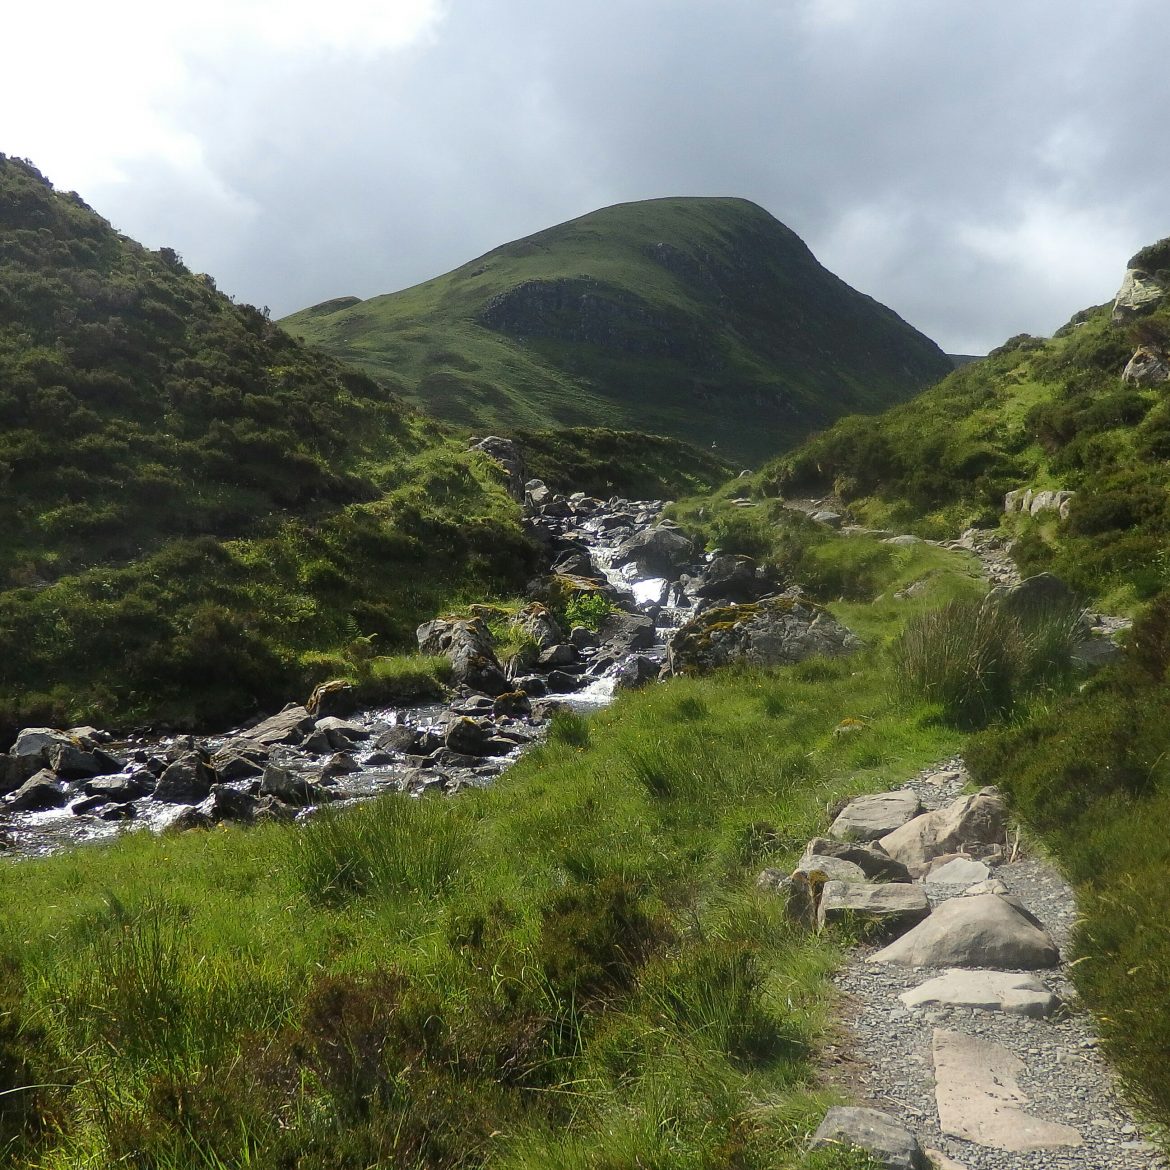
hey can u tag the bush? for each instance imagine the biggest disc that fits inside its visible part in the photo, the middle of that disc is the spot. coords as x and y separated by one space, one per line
975 659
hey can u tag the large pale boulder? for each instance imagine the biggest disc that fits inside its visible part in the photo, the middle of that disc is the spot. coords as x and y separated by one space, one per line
887 1141
986 930
777 631
979 1097
1139 293
976 820
891 907
868 818
287 726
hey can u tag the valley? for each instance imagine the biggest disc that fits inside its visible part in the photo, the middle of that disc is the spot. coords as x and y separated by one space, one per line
377 793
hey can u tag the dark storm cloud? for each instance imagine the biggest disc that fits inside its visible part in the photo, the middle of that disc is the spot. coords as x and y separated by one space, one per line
983 169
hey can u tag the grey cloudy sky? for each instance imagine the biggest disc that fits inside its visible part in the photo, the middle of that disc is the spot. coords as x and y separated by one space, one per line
984 168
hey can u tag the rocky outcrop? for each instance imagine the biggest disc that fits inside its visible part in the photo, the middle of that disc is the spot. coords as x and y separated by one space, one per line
1141 292
467 645
507 454
1148 367
1031 503
777 631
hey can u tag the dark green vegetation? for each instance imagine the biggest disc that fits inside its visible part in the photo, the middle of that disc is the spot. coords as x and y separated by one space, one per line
202 516
1092 776
704 319
1036 413
605 463
571 969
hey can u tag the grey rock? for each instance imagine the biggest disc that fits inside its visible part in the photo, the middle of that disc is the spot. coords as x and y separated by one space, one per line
985 930
40 791
830 869
467 737
777 631
562 654
976 820
1147 367
288 726
893 906
507 454
636 672
467 644
187 781
1140 293
883 1137
338 698
868 818
626 632
656 552
120 788
536 621
73 763
903 541
988 991
956 871
397 739
872 859
289 788
35 741
15 770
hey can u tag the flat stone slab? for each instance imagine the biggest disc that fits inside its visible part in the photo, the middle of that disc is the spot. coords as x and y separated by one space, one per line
866 818
894 906
979 1097
981 931
873 860
889 1143
959 871
988 991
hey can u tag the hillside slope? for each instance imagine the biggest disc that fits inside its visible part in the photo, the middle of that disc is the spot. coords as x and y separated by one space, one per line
704 319
193 501
1084 411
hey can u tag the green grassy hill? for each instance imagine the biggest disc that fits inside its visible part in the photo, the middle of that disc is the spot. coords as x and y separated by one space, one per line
195 504
1045 413
703 319
1087 772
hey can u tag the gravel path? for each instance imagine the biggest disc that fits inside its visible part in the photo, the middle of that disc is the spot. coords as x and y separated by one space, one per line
884 1059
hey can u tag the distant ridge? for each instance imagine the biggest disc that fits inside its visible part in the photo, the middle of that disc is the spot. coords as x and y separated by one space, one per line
704 319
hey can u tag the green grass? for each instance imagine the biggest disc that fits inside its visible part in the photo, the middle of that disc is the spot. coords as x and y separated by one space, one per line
667 316
1041 413
1089 775
574 965
201 515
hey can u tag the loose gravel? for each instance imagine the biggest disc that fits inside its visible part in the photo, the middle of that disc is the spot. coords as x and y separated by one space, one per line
884 1059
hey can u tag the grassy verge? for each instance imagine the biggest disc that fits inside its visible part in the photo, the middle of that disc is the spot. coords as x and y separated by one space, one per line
1090 776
